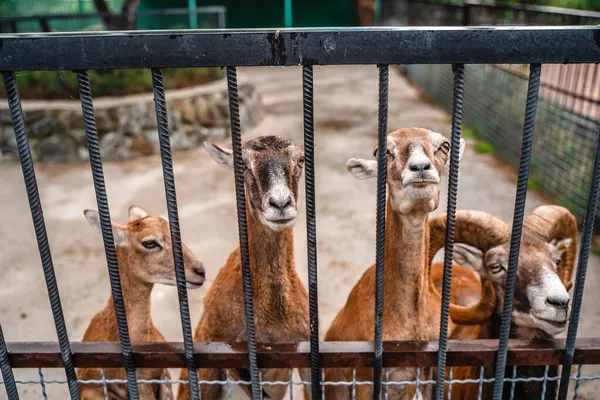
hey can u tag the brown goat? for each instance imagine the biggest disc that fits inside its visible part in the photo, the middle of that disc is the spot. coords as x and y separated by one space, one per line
145 257
545 267
416 159
273 167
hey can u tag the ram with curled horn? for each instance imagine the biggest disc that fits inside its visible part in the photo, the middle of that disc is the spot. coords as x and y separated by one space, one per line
541 302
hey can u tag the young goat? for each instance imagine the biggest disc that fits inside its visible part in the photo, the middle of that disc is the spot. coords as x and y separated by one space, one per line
541 303
273 167
144 257
416 159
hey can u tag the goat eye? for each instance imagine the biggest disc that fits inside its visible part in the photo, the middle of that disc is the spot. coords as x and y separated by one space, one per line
445 147
301 162
495 268
150 244
390 154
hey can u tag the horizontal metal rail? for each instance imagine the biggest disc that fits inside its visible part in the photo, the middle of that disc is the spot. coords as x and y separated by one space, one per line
333 354
256 47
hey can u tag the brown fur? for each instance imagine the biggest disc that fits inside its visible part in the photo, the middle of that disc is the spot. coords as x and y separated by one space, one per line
411 306
138 269
543 225
280 299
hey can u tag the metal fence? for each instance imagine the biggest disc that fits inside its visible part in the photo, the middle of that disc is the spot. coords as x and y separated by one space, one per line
570 95
212 17
310 47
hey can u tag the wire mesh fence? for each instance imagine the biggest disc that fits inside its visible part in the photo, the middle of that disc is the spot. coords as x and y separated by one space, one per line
42 386
568 110
385 361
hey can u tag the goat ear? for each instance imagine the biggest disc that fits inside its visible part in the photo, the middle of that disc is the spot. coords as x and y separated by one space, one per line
94 219
461 150
136 212
223 156
362 169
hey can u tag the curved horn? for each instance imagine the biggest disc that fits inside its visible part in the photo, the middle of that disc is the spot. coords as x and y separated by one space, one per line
556 222
480 230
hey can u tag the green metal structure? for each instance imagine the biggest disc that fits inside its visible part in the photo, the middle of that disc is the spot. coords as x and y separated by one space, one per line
240 13
266 13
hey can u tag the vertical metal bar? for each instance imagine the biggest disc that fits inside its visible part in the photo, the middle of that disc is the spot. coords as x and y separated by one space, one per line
168 392
311 228
387 381
287 7
593 89
418 382
192 14
171 195
89 121
380 244
238 169
480 389
14 102
42 384
577 382
450 383
7 373
222 19
457 107
260 380
322 384
582 264
291 375
228 377
515 240
104 386
545 382
513 383
353 383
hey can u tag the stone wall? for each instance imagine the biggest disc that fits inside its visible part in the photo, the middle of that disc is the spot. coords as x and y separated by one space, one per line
127 125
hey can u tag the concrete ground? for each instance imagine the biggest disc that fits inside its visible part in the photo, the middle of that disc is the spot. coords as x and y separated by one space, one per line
346 126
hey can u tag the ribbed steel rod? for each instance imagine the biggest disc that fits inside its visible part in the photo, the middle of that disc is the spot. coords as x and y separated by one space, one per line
14 102
164 139
311 228
457 108
380 227
582 264
238 169
517 226
7 373
89 121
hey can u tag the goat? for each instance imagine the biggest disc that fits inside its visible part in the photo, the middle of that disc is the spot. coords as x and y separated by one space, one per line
416 159
545 268
272 170
144 257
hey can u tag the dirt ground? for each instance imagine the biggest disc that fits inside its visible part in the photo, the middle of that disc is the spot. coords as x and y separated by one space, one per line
346 126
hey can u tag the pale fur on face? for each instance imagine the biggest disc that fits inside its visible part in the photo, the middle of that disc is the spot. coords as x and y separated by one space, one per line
273 167
411 189
537 282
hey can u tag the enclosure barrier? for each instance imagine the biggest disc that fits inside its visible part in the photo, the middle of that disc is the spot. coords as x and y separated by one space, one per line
234 48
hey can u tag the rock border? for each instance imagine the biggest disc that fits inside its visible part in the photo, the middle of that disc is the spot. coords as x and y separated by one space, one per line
127 125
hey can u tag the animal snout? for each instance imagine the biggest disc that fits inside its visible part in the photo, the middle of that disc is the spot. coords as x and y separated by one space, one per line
280 203
199 270
420 166
558 302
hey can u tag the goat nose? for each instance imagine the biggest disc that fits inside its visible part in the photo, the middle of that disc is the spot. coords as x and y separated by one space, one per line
558 302
199 270
280 203
420 167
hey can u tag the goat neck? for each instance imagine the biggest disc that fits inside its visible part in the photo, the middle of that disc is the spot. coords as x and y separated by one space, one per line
271 263
406 272
136 296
